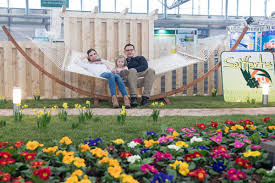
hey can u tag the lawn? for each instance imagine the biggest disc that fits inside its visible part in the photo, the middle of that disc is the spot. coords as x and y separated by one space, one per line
106 127
179 102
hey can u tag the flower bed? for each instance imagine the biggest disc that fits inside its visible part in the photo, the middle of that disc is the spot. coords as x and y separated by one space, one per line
210 152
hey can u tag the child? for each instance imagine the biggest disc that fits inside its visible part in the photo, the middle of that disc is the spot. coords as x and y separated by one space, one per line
121 67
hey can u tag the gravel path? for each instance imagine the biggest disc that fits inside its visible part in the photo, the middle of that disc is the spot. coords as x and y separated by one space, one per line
163 112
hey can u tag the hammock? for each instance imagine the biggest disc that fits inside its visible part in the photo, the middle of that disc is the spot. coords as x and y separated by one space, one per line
63 65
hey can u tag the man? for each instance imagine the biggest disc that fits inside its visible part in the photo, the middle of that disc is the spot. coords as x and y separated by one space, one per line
138 67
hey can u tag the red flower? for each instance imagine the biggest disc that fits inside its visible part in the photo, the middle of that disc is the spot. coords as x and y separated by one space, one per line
199 174
125 154
230 122
18 143
36 164
239 161
265 119
43 173
5 177
5 155
247 165
196 155
201 126
188 157
30 156
2 144
214 124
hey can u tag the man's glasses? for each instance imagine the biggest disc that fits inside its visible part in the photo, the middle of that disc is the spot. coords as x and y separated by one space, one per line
130 50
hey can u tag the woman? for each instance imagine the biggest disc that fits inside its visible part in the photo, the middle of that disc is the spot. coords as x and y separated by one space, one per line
99 69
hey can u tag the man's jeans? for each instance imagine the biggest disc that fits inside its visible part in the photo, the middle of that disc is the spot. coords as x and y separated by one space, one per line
149 77
112 80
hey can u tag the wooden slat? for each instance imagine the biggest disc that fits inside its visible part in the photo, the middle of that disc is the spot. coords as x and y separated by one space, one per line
7 71
22 75
67 38
220 91
144 40
190 78
41 76
168 81
110 39
34 71
156 89
2 86
200 85
134 35
179 79
121 36
211 78
86 35
150 39
47 81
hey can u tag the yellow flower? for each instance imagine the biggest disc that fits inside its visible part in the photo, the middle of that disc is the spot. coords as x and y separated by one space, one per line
175 134
53 108
50 150
65 105
68 159
175 164
181 143
2 97
33 111
83 108
183 168
84 147
65 140
161 104
72 179
21 111
156 103
104 160
226 130
49 112
36 93
85 179
128 179
271 127
251 153
77 173
119 141
79 162
99 152
153 104
113 162
75 105
115 171
40 112
123 107
18 104
32 145
87 102
25 106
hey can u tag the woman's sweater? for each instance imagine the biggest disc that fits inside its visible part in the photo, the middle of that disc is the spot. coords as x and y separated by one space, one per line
94 69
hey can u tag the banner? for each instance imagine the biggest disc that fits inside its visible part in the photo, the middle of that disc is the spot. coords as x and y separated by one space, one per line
54 3
247 43
244 74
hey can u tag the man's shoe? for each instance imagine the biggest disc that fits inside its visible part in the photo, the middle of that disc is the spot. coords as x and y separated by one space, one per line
144 101
134 101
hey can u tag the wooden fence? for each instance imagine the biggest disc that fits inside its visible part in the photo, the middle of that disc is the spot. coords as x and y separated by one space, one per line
16 71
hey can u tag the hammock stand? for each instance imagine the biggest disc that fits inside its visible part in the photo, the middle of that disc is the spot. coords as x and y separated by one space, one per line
97 97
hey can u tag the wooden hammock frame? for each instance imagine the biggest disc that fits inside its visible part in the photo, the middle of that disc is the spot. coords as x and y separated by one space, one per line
97 97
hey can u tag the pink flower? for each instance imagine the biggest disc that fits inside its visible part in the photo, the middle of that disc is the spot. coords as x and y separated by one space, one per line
247 140
217 139
160 156
265 140
169 129
238 144
169 138
189 134
139 140
231 171
146 167
256 147
233 176
162 139
272 136
241 174
219 134
187 130
234 134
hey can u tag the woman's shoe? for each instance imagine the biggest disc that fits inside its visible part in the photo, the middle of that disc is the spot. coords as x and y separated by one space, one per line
115 102
126 102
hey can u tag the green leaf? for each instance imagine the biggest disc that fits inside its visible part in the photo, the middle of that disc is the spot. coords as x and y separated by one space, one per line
147 161
192 166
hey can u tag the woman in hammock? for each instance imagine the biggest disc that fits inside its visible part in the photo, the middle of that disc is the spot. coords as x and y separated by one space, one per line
99 69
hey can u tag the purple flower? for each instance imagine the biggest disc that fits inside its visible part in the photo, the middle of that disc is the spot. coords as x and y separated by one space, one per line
151 133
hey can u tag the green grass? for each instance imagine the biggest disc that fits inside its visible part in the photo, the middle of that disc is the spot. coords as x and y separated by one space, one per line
107 128
182 102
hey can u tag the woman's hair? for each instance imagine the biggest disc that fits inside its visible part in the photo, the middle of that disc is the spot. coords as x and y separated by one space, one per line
119 57
89 51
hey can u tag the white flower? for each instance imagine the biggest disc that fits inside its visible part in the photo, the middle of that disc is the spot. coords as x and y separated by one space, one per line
133 159
174 147
272 170
132 144
195 139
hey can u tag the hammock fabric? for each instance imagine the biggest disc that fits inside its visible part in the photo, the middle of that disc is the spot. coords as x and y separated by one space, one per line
97 97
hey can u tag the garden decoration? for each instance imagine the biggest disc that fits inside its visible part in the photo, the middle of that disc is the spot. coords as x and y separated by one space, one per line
208 152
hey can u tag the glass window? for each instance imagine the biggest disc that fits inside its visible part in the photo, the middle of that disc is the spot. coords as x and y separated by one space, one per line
216 7
232 7
155 4
4 3
257 8
139 6
74 5
200 7
171 11
88 5
244 8
34 4
122 4
108 5
270 7
186 8
17 4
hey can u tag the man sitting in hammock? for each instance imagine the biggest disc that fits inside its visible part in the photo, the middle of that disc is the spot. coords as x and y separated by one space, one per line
99 69
138 67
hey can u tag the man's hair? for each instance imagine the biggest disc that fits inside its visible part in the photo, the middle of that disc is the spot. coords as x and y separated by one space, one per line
90 50
119 57
129 44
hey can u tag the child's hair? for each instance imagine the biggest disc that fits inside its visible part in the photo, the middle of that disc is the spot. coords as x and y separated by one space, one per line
119 57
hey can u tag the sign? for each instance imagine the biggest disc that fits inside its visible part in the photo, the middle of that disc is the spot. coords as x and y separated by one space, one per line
268 41
244 74
247 43
54 3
